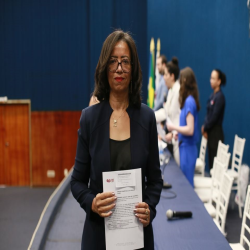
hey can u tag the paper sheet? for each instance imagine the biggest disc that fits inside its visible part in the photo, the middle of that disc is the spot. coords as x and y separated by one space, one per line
122 229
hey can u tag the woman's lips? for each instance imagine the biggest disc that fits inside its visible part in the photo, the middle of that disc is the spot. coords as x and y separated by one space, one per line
118 79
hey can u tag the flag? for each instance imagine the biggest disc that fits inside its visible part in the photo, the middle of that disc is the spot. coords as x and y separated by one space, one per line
151 82
157 74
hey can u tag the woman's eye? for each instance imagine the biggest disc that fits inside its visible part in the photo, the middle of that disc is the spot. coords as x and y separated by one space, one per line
126 62
112 61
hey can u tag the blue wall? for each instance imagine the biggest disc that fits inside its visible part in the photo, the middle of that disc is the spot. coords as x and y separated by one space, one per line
49 49
206 35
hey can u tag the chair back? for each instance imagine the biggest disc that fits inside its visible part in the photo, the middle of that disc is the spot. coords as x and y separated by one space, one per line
219 169
203 148
245 228
223 200
224 158
222 148
238 150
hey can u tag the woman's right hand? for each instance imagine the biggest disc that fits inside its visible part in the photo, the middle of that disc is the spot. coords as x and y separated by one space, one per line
103 203
169 137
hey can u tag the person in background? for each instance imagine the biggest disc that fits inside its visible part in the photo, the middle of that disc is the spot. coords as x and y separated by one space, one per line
212 127
118 133
188 130
171 108
93 100
162 90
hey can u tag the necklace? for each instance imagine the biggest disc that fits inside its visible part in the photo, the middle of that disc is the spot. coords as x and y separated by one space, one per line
115 120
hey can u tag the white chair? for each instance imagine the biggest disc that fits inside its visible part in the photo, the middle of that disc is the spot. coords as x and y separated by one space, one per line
206 182
244 241
234 172
222 202
211 194
200 162
222 148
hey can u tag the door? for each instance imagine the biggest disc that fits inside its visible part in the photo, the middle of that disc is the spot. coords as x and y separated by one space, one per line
16 164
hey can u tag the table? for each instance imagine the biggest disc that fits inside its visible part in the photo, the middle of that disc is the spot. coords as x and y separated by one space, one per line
196 233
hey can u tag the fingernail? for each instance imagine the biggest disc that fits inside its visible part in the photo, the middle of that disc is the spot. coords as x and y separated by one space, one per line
115 198
114 204
135 210
136 215
113 193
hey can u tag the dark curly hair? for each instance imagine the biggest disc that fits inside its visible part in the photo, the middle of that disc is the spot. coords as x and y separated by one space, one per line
102 88
188 87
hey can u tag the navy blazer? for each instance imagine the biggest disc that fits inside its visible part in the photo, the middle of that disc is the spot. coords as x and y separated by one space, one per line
93 158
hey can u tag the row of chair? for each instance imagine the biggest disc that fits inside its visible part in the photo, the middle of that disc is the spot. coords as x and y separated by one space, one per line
245 227
203 185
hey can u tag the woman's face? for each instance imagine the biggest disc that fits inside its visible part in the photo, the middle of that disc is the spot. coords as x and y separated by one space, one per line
214 80
119 81
168 78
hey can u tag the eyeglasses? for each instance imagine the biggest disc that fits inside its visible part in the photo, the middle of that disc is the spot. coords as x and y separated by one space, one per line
114 64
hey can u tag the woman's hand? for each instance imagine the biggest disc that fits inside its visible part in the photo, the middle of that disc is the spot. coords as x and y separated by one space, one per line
202 129
169 137
175 134
142 212
103 203
204 133
170 126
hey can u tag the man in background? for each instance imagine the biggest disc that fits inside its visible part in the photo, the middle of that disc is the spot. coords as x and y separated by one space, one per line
162 90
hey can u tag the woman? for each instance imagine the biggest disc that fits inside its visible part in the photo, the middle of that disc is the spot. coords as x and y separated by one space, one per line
171 108
118 133
188 133
212 127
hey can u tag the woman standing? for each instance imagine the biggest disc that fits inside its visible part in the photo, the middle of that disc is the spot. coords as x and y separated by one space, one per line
212 127
188 132
171 107
119 133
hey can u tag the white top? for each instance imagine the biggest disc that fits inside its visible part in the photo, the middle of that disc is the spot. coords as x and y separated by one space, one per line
171 107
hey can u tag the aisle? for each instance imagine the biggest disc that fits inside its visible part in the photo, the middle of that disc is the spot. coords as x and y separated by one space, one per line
66 231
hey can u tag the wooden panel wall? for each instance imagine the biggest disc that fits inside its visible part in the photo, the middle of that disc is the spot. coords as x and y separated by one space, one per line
54 140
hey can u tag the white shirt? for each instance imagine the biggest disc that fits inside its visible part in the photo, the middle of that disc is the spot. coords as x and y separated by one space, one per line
171 107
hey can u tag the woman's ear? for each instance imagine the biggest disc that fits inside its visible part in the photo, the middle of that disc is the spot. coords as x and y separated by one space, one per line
219 81
172 77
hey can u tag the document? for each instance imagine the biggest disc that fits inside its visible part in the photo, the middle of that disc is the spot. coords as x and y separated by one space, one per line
122 229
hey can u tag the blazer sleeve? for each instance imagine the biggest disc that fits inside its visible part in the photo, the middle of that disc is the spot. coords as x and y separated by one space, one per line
81 172
217 112
153 173
160 115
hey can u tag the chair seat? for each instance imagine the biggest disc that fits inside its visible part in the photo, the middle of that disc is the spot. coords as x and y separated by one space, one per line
202 182
210 209
199 165
205 194
232 173
211 172
236 246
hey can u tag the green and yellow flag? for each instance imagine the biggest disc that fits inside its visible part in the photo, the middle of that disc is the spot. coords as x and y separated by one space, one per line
151 82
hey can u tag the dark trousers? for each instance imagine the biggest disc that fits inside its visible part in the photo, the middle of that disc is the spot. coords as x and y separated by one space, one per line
214 135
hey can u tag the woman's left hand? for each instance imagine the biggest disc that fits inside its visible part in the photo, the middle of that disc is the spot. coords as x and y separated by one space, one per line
142 212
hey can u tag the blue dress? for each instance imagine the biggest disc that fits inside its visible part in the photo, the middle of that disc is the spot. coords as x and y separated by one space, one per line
188 148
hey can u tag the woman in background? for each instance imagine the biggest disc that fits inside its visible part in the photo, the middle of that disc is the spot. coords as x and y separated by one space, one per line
171 107
212 127
188 132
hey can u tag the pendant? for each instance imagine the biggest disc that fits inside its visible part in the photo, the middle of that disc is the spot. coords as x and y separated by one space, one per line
115 123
